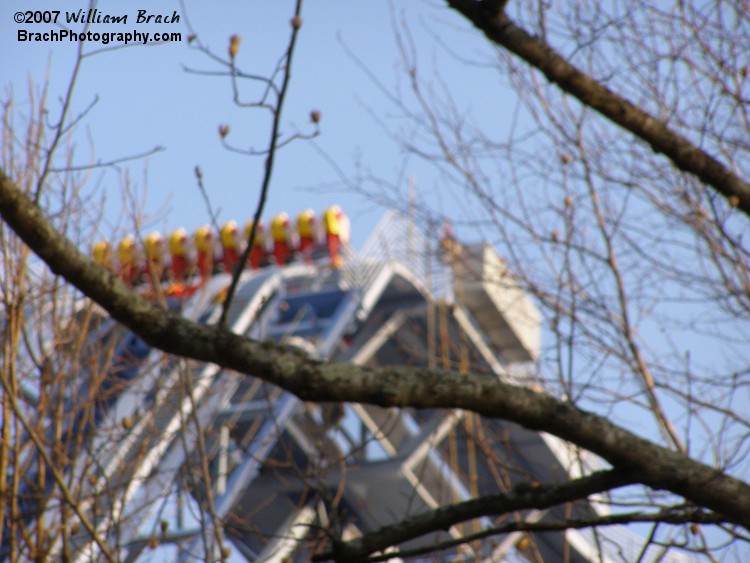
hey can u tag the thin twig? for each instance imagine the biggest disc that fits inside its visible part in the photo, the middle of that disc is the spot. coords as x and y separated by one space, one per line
108 163
272 146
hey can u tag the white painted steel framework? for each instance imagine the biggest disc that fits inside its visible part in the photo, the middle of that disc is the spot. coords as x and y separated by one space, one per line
278 465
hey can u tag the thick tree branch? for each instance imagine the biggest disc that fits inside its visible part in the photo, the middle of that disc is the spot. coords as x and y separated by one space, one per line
520 498
490 18
649 463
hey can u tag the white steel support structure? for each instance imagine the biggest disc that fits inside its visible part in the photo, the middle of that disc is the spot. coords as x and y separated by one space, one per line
281 469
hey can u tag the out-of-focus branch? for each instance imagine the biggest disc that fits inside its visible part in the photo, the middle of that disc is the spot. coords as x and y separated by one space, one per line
108 163
68 496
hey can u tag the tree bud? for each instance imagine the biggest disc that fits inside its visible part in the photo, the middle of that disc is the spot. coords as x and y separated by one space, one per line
234 45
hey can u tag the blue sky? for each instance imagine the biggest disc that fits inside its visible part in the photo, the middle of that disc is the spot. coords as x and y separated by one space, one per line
147 99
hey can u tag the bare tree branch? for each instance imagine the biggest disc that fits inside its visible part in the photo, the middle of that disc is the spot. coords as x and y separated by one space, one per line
520 498
108 163
689 516
273 145
491 19
653 465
